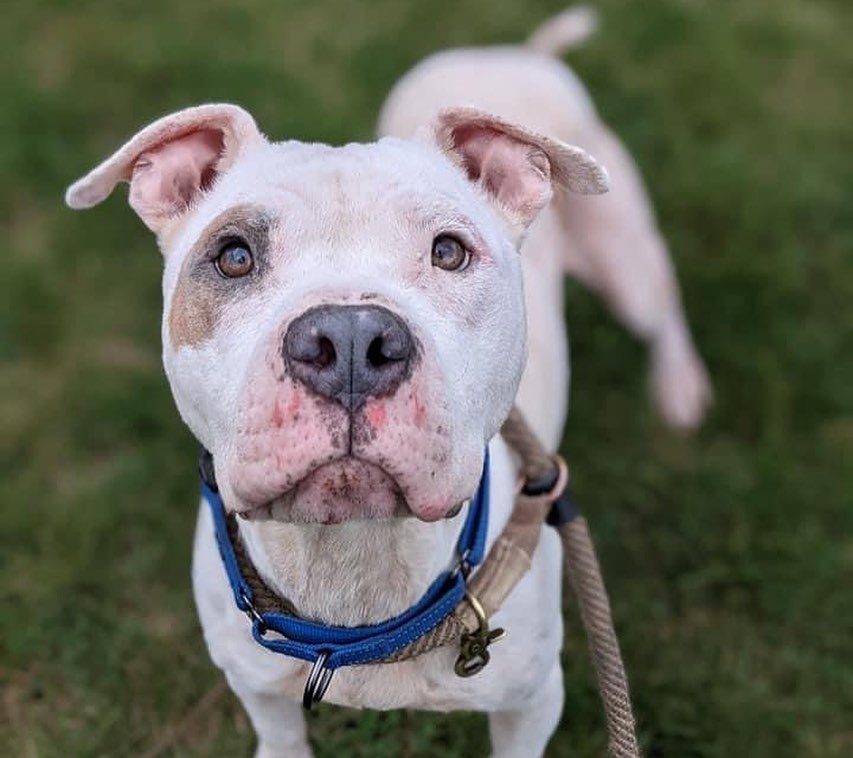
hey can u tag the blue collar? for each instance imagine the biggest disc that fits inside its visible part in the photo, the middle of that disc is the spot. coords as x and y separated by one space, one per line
335 646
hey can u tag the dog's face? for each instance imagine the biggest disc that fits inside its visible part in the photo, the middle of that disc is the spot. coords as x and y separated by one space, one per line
343 339
344 327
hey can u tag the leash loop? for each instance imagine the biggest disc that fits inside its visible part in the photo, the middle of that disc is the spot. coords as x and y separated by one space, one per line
550 486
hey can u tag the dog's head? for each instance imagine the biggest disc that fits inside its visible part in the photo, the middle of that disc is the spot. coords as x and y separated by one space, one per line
344 326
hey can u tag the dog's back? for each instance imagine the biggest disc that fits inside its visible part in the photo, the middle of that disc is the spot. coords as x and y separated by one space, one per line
610 243
524 84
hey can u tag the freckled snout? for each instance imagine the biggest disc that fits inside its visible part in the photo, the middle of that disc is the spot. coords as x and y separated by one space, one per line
349 353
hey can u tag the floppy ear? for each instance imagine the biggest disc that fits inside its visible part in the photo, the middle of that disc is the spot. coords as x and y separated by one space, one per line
170 162
514 166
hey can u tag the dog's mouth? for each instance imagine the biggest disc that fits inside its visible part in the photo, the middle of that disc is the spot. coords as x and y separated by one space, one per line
298 458
345 489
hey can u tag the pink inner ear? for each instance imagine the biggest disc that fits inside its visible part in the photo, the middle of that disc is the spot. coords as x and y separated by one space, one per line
516 173
166 178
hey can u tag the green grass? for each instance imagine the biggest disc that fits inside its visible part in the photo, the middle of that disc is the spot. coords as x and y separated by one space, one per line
729 556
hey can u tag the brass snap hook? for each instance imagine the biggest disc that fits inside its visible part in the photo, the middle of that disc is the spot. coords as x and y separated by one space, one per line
474 654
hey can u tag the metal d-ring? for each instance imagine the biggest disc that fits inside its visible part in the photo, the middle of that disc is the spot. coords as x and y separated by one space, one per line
318 681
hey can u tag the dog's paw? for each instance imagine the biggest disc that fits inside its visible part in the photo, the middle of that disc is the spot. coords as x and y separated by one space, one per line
680 385
292 751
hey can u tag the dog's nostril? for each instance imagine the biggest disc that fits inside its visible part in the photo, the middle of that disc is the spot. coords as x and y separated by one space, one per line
326 355
311 348
374 353
378 354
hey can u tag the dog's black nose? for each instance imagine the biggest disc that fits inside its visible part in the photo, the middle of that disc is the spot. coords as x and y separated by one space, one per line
349 353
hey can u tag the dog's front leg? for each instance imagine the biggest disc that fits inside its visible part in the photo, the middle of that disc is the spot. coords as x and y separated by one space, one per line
524 732
279 724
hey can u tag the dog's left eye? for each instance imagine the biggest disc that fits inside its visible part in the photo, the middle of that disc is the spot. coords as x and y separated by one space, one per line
235 260
449 253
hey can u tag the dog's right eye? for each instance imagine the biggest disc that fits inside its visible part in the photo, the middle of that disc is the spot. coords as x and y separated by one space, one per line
449 253
234 260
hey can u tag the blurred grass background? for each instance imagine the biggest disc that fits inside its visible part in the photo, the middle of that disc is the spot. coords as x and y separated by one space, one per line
729 556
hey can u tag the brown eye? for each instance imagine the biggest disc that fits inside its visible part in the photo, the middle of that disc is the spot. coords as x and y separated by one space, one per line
449 253
235 260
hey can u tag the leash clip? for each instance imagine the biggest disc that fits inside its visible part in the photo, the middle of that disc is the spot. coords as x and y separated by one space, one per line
318 681
474 654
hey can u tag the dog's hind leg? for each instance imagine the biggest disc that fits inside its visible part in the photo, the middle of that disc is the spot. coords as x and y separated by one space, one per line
617 250
524 732
279 724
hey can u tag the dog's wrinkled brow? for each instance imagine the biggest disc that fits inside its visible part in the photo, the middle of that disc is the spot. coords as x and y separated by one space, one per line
248 222
200 292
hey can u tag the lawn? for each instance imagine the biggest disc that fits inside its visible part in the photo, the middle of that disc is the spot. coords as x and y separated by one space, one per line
729 555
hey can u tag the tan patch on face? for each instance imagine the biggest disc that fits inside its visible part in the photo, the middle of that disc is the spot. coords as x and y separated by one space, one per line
201 294
193 316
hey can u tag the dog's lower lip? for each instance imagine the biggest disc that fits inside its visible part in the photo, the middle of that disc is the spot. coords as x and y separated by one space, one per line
283 506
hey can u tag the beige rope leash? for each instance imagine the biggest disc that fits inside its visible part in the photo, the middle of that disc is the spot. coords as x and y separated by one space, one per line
584 574
585 577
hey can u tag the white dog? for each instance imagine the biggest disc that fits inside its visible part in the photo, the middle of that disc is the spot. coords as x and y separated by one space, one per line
344 330
612 244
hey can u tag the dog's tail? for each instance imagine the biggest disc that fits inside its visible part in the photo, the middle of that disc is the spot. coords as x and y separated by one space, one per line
564 31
